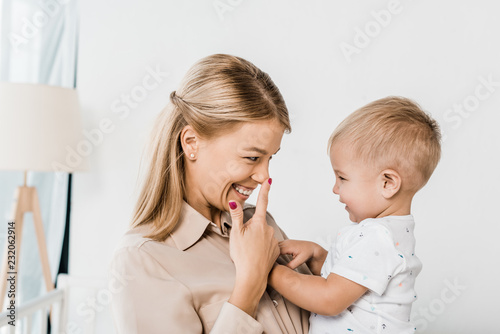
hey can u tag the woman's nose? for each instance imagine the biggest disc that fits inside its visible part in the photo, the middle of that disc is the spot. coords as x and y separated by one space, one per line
261 172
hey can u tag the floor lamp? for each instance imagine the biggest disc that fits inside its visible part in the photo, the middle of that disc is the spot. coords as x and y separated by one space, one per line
37 125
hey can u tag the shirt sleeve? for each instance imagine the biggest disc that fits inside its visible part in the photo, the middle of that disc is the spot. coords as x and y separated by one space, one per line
368 257
231 320
146 299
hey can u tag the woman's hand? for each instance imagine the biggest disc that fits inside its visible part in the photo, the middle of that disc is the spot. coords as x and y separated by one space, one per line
304 252
254 250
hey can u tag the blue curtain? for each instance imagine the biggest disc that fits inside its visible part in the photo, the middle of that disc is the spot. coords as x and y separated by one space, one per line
38 44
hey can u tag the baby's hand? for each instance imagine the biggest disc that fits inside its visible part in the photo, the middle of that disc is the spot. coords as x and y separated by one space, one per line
304 252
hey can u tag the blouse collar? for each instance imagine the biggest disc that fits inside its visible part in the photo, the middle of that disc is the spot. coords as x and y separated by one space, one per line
193 224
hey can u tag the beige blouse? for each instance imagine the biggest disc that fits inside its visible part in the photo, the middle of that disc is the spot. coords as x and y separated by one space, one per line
182 285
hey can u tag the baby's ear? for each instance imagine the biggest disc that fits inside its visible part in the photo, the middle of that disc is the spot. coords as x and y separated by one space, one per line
390 183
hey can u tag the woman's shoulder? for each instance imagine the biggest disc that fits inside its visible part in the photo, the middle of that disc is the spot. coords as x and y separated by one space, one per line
136 252
133 238
135 244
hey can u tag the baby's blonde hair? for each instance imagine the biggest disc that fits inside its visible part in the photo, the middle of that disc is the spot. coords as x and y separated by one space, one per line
393 133
217 93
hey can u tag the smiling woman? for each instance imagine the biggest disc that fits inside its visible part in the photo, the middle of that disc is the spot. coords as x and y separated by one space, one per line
194 267
218 95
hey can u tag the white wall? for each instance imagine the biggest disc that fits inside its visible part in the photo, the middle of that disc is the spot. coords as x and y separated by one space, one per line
435 52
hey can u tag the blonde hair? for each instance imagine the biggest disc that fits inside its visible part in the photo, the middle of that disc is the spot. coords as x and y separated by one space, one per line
393 132
217 93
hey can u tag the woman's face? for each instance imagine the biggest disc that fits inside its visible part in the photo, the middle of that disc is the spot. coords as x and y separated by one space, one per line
230 166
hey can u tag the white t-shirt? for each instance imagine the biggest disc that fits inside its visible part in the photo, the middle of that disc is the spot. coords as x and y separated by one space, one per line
380 255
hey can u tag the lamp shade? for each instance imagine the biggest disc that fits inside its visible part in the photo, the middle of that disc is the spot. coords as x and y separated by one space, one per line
39 125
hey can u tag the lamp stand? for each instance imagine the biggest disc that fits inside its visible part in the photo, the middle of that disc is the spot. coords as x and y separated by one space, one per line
26 200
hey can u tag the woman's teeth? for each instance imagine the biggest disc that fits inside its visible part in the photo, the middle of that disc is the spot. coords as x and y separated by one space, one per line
243 192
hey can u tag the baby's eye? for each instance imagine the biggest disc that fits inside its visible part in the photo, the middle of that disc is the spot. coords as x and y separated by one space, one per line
252 158
341 178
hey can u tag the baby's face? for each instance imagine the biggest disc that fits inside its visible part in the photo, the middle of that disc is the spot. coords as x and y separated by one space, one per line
357 185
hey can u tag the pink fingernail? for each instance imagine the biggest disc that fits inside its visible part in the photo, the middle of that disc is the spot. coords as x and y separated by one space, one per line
270 180
233 205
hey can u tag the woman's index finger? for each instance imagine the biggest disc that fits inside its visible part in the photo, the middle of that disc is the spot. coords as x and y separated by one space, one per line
263 199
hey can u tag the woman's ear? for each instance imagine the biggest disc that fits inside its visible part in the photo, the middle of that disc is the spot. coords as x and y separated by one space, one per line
390 183
189 142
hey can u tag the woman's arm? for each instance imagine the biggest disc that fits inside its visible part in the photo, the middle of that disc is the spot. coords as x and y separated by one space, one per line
328 296
248 289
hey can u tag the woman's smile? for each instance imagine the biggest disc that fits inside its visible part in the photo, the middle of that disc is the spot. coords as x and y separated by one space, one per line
243 192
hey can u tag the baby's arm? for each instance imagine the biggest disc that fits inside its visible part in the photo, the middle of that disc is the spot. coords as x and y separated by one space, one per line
304 252
328 296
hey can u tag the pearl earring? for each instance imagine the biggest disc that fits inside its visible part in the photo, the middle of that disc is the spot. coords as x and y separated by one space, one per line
192 155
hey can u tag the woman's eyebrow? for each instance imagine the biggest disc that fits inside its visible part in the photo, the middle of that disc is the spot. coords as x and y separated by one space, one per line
259 150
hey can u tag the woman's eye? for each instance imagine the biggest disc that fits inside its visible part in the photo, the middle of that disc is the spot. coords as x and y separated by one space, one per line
252 158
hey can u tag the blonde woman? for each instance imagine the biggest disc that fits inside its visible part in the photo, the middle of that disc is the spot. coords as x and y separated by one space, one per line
197 258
